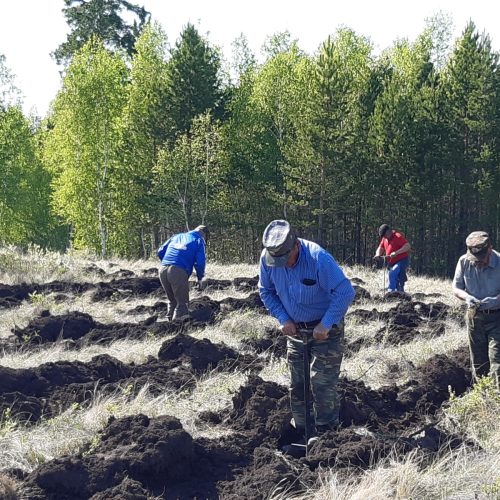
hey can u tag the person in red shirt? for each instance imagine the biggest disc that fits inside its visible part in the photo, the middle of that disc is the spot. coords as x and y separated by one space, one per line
396 249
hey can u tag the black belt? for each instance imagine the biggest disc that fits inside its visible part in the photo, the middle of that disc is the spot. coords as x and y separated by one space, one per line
307 324
488 311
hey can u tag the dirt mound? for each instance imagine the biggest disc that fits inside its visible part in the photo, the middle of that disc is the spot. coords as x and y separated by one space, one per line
403 323
51 388
124 284
79 329
396 335
361 293
406 313
128 489
268 474
201 354
13 295
138 455
422 296
48 328
156 308
251 302
93 269
150 271
122 288
213 284
246 284
142 449
273 343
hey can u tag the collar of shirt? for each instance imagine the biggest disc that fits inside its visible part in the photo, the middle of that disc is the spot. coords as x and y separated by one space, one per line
493 260
299 256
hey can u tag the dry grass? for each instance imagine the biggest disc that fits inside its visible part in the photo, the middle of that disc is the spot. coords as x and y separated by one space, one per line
68 433
475 414
378 365
461 474
126 351
235 327
7 488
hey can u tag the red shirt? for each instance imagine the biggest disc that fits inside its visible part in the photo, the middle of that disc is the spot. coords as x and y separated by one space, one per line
395 242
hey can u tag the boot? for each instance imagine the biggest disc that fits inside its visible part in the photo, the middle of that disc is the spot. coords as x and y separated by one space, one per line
181 312
320 430
170 310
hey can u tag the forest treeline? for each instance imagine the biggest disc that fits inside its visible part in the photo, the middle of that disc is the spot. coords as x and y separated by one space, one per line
140 144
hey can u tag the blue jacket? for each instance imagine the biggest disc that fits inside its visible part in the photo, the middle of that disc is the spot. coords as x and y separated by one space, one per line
185 250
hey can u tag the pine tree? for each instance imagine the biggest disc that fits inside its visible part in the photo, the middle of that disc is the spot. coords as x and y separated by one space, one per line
103 19
194 84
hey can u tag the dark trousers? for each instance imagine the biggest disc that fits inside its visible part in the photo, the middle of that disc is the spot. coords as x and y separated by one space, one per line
484 344
175 282
325 360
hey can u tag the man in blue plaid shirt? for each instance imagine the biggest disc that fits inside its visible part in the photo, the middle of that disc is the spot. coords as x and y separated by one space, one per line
302 286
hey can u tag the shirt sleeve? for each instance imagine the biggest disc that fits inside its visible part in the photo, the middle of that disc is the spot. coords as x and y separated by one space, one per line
269 297
162 250
458 278
341 292
200 261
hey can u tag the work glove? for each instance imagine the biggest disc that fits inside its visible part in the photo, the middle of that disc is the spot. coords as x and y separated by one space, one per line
472 302
393 254
289 328
320 332
490 303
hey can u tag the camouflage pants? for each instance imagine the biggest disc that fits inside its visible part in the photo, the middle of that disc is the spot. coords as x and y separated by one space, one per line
484 344
325 360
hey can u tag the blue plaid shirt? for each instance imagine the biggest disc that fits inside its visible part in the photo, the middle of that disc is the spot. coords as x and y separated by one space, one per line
315 288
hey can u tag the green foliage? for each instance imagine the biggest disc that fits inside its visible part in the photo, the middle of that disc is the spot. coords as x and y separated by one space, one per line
138 146
244 60
493 488
82 147
101 18
9 94
188 175
147 126
476 412
24 191
7 422
194 85
93 445
329 145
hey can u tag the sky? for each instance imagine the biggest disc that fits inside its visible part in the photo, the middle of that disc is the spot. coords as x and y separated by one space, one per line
31 29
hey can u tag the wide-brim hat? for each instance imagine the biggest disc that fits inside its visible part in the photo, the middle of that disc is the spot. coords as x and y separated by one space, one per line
278 240
477 243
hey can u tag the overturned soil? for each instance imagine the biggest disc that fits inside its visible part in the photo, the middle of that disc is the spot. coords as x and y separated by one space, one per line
80 329
139 457
122 285
51 388
156 456
406 321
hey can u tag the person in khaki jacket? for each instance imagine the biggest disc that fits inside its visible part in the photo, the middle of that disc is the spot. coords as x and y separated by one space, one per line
477 282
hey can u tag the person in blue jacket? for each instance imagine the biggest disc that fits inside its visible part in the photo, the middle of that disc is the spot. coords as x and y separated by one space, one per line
178 255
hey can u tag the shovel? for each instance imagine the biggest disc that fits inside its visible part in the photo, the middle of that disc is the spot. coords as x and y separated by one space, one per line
299 450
